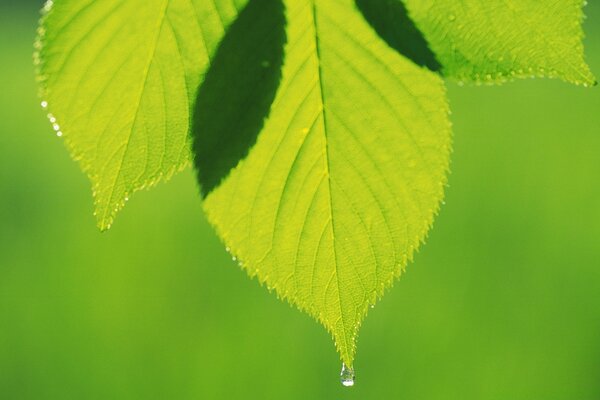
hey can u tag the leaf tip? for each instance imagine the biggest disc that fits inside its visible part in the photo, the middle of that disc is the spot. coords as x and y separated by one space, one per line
106 208
104 219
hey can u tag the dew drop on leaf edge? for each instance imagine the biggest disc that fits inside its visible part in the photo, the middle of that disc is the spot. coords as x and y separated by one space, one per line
347 376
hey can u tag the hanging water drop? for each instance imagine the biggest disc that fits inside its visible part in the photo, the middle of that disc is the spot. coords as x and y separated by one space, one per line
44 104
347 376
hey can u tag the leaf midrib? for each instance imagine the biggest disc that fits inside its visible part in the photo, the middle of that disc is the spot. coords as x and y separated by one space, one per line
346 356
152 54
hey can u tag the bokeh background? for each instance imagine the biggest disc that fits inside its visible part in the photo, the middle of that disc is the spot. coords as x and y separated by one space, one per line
502 303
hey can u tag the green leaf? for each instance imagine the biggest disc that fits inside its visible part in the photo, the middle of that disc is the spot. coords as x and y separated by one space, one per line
119 79
497 40
347 175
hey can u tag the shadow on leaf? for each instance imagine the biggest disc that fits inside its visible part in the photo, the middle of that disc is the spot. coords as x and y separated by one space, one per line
238 91
391 21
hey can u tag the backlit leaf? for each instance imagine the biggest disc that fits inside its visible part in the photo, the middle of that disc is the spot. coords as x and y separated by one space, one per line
497 40
119 80
347 175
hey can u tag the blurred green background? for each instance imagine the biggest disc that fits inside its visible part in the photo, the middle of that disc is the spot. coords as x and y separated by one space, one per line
502 303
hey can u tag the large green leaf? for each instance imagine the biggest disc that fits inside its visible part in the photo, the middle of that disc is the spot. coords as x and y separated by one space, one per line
497 40
119 80
347 175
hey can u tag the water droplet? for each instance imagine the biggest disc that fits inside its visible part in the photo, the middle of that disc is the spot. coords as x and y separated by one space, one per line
347 376
59 134
56 127
44 104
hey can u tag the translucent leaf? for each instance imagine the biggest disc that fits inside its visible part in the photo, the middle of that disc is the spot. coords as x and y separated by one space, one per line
497 40
347 174
119 79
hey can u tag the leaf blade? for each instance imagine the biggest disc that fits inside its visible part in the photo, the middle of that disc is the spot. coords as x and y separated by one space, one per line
321 209
120 79
495 41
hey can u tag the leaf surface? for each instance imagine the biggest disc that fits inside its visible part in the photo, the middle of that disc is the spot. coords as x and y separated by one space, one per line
347 174
497 40
119 79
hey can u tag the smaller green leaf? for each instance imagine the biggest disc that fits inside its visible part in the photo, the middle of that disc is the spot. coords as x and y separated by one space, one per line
498 40
119 79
